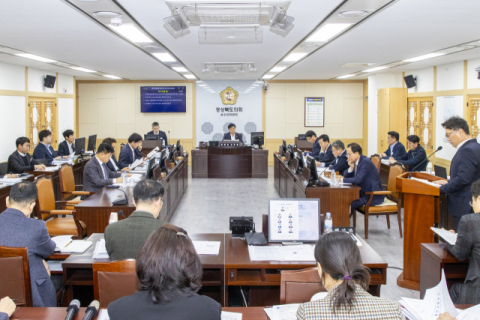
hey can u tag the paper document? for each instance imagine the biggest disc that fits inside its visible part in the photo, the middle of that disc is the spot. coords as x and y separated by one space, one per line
152 153
55 265
77 246
100 251
207 247
48 169
11 180
283 312
470 313
264 253
231 315
298 253
427 182
449 237
136 163
61 242
385 161
103 315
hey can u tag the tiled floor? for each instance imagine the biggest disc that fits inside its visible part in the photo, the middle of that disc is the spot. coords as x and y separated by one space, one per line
208 204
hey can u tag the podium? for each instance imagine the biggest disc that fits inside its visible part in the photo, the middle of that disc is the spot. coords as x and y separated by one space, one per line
421 211
149 145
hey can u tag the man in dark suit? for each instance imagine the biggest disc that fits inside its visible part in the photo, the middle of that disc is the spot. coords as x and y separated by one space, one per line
325 154
18 230
44 150
464 168
232 135
340 163
312 138
363 173
468 247
416 154
130 151
396 148
124 238
67 147
156 131
96 175
20 160
113 164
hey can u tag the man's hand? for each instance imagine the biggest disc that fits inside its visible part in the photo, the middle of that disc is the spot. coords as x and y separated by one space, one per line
445 316
40 167
319 164
125 169
383 155
440 182
352 165
391 160
119 180
139 148
7 306
10 176
47 267
452 231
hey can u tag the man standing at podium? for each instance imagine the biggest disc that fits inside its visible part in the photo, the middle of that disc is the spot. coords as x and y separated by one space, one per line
464 168
232 135
156 131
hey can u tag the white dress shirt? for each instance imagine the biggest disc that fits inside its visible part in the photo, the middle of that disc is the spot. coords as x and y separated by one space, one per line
70 147
113 163
232 137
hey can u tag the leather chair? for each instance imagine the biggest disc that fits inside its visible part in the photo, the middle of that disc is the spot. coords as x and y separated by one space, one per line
68 187
113 280
299 286
377 161
46 204
3 168
15 275
391 205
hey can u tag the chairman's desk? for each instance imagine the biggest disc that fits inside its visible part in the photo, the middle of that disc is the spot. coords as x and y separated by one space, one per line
230 162
335 200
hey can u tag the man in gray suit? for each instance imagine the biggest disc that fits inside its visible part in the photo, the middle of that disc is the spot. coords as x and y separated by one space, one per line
468 246
96 174
18 230
124 238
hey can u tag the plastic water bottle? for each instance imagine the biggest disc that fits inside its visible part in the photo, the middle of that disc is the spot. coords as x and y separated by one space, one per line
124 179
163 143
328 223
333 177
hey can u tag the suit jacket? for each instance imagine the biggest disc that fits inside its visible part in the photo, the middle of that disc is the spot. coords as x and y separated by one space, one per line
464 170
365 306
315 149
238 137
326 156
126 157
110 165
367 178
20 231
413 158
123 239
16 163
63 149
340 163
93 177
162 135
4 316
41 152
139 306
398 151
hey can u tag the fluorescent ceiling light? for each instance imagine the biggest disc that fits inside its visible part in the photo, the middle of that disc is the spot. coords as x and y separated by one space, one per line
82 69
375 69
190 76
278 69
202 85
328 31
131 32
111 77
295 56
425 56
107 14
164 57
346 76
180 69
268 76
353 13
34 57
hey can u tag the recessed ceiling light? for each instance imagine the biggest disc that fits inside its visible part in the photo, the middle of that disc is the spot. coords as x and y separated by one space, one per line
278 69
202 85
425 56
34 57
346 76
375 69
328 31
82 69
164 57
131 32
111 77
353 13
295 56
268 76
180 69
190 76
107 14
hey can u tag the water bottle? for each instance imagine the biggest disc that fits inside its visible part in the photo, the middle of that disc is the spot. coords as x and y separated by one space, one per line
124 180
333 176
328 223
163 143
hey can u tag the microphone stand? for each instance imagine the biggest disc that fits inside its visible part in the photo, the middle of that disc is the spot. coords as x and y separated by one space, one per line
121 201
321 183
410 175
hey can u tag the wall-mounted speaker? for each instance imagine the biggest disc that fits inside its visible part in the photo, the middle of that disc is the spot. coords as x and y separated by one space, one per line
49 81
410 81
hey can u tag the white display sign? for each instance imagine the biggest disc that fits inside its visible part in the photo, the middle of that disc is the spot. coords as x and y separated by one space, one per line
314 112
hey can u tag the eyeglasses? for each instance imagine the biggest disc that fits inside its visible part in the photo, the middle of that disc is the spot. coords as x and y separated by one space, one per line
471 204
447 135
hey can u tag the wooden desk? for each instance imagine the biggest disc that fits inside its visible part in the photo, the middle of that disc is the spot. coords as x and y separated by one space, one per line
303 145
335 200
232 163
263 277
434 258
5 191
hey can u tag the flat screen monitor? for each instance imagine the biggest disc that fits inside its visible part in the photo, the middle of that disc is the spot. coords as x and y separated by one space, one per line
294 220
257 138
151 137
300 159
440 172
163 154
178 145
312 165
284 147
163 99
92 142
79 145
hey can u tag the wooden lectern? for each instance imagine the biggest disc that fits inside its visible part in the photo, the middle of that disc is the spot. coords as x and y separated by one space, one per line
421 211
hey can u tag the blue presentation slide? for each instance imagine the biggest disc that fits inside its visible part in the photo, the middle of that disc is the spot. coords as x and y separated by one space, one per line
163 99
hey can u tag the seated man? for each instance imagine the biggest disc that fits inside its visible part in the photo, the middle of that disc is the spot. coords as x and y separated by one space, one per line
232 135
96 175
113 165
67 147
44 150
363 173
20 160
18 230
130 151
416 154
468 247
340 163
325 154
312 138
396 148
124 238
156 131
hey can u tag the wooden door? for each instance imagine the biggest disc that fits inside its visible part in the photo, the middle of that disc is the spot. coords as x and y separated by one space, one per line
473 103
420 120
383 123
42 114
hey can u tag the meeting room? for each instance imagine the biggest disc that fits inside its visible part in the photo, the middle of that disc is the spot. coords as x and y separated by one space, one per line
229 160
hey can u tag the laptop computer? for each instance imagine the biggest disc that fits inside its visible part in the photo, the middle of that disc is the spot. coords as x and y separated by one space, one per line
440 171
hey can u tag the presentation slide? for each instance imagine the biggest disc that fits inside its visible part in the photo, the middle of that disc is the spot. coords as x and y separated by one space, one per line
294 220
163 99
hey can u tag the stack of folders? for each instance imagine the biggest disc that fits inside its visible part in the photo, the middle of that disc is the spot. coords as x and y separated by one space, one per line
65 244
100 251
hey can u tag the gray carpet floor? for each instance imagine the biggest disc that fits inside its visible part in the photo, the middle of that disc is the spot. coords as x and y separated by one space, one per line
208 204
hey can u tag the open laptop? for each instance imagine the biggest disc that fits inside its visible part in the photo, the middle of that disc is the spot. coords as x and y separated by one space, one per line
440 172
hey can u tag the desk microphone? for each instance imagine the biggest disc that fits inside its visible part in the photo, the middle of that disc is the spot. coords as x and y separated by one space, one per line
92 310
410 175
120 212
72 310
121 201
321 183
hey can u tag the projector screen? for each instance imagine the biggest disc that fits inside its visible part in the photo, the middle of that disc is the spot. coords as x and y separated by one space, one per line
163 99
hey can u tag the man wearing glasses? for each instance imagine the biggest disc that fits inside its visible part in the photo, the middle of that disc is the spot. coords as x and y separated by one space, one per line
464 168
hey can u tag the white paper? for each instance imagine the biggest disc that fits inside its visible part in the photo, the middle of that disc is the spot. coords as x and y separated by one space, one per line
77 246
269 312
61 242
100 251
152 153
11 180
55 265
103 315
284 312
385 161
48 169
470 313
298 253
427 182
207 247
264 253
231 315
136 163
451 238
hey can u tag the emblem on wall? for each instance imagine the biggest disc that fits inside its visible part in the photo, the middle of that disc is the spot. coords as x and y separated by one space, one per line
229 96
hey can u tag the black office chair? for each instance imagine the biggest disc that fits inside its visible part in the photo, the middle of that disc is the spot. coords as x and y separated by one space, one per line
3 168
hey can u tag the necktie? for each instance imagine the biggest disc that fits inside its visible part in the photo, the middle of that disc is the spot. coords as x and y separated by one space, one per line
355 170
105 170
48 148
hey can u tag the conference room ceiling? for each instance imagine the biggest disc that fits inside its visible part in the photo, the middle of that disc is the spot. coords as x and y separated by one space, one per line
406 29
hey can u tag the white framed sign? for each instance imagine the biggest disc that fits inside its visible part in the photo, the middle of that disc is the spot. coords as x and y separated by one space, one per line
314 111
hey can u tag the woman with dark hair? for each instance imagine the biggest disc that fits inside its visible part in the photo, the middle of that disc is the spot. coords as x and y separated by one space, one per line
169 273
346 279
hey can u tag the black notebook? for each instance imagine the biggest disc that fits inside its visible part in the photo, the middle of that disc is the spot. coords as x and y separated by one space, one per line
255 239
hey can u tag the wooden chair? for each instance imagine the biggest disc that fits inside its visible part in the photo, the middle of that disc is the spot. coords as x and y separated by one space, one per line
391 205
59 225
377 161
68 187
113 280
15 275
299 286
